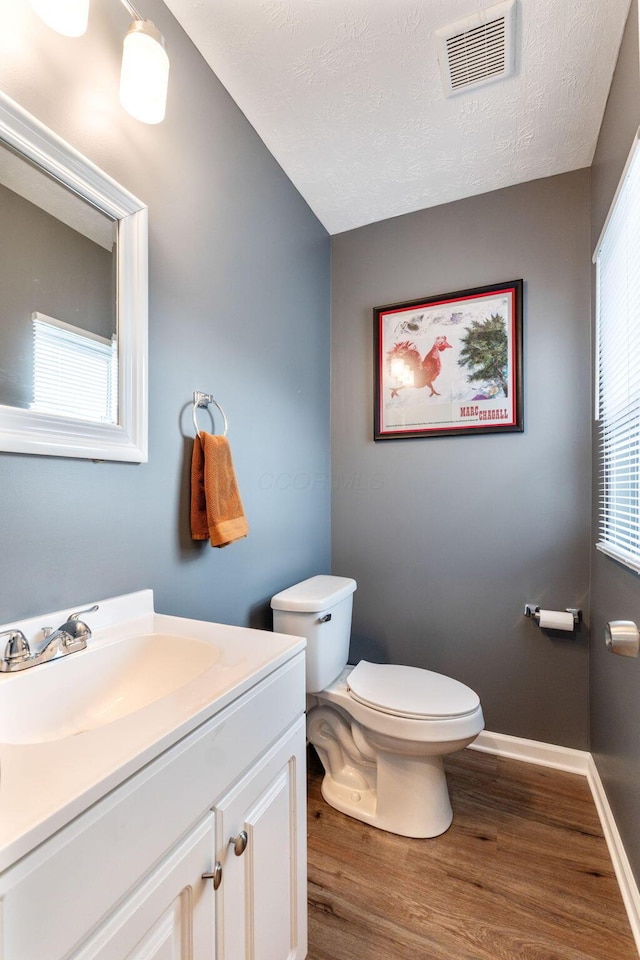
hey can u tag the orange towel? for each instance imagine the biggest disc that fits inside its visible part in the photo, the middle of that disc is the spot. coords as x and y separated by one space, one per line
216 508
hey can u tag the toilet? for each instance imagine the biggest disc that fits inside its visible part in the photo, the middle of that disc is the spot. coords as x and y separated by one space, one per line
380 730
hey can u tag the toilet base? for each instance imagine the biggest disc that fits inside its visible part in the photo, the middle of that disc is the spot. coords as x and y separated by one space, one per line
410 798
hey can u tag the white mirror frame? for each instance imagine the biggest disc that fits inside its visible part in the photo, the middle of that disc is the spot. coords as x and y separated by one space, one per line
25 431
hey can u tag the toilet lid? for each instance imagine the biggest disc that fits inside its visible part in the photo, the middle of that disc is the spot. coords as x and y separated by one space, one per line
410 692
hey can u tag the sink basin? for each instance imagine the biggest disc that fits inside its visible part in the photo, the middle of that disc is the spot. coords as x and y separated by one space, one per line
96 686
72 730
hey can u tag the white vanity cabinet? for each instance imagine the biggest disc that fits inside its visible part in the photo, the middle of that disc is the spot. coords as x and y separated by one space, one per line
261 902
169 916
123 881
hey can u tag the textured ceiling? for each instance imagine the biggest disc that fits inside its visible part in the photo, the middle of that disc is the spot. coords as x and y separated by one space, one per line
347 96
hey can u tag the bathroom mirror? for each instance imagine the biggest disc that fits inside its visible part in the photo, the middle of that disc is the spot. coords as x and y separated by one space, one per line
73 301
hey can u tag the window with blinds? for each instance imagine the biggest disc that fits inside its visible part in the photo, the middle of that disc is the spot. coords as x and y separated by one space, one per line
75 372
617 260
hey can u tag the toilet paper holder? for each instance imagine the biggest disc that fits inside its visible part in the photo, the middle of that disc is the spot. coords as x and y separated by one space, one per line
532 610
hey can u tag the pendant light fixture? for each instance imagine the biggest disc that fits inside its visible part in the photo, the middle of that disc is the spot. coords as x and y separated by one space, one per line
144 76
68 17
144 79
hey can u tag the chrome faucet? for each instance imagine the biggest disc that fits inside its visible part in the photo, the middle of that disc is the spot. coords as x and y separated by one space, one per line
70 637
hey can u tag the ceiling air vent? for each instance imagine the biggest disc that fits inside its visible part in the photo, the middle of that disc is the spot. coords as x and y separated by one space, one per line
478 49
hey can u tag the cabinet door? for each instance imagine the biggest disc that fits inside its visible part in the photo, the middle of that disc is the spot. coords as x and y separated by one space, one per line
261 906
171 915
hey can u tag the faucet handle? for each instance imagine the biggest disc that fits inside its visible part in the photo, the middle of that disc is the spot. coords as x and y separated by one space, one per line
74 616
17 649
75 631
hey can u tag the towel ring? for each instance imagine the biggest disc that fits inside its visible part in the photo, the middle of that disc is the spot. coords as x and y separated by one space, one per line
203 400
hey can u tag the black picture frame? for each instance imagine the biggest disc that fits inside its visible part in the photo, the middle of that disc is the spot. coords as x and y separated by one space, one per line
424 390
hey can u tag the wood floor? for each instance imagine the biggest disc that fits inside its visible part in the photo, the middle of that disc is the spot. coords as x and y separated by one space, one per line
522 874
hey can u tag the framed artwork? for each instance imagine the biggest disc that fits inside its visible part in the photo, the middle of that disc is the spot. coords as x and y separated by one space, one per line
450 365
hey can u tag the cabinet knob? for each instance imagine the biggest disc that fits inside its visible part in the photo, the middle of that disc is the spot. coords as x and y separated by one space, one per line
239 843
216 876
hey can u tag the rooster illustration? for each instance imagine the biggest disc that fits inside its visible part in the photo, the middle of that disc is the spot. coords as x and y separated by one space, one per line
424 371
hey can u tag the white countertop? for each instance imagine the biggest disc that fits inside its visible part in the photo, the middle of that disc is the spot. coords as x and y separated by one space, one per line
45 785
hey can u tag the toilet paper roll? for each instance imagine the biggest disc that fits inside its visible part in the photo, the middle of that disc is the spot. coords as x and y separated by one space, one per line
556 620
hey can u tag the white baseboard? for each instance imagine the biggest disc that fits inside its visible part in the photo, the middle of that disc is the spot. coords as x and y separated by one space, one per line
621 865
533 751
581 762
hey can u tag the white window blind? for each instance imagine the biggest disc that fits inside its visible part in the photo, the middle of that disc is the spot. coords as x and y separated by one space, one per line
75 372
618 378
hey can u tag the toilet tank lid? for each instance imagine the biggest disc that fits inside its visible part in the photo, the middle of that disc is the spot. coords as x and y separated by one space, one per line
313 595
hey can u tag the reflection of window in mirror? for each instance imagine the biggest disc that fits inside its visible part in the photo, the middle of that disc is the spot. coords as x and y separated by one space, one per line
83 262
75 372
57 258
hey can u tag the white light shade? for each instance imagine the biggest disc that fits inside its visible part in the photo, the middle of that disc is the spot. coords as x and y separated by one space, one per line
145 73
68 17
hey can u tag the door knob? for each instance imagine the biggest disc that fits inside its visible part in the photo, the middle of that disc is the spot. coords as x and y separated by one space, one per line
621 636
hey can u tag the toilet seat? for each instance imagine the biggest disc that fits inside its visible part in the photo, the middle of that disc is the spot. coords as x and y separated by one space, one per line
409 733
410 692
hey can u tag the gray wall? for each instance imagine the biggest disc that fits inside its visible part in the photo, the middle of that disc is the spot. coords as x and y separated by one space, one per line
449 537
239 306
615 592
48 267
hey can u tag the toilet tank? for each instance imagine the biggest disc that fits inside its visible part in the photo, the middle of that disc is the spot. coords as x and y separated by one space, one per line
318 609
